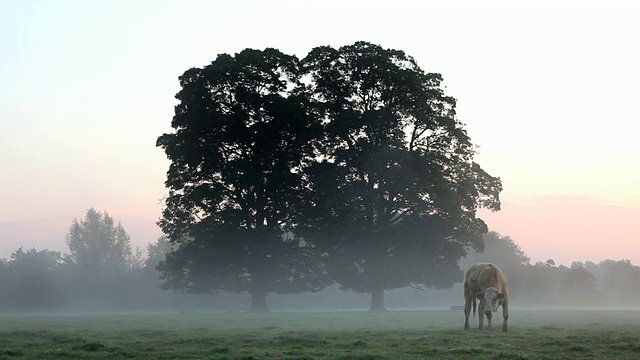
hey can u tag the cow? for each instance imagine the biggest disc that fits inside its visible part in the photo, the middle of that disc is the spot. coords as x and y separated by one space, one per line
487 283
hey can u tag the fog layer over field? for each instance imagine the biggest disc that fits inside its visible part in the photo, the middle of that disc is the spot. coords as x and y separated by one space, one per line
38 281
121 279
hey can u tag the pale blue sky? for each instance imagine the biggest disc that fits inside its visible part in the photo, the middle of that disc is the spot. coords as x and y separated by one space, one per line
548 90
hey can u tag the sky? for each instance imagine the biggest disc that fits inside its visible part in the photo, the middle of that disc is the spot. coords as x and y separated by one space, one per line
547 90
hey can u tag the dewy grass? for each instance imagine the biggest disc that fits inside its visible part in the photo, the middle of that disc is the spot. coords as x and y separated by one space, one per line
337 335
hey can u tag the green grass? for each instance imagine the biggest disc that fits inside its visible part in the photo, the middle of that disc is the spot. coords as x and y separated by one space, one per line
347 335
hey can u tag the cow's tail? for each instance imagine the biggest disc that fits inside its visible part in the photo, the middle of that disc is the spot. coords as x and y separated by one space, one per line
474 306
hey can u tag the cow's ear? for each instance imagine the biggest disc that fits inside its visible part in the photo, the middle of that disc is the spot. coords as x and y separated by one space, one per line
479 296
500 296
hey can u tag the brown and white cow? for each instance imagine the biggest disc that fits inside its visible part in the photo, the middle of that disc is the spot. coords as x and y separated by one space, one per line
487 283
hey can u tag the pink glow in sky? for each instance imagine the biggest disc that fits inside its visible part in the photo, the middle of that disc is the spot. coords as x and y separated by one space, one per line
548 90
570 228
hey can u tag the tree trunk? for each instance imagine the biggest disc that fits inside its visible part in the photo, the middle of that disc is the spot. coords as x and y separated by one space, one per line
259 302
377 300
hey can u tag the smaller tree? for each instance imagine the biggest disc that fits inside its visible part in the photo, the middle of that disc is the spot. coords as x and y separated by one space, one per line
4 282
577 281
34 281
97 244
540 281
157 252
504 252
501 250
34 260
621 277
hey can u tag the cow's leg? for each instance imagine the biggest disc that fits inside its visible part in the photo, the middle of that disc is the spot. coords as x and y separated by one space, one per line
467 306
481 315
505 314
489 325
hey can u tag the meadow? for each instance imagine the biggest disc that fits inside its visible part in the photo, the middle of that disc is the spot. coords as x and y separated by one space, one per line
557 334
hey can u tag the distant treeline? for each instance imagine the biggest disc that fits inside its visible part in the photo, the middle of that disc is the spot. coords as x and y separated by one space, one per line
608 283
113 277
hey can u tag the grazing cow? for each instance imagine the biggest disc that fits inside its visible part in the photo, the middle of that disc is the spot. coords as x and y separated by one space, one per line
487 283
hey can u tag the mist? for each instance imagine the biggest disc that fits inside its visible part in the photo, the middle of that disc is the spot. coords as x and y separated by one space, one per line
37 281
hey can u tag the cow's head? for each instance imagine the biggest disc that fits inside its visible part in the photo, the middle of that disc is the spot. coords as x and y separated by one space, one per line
491 299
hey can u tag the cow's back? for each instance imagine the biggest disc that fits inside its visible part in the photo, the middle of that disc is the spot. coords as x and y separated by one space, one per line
483 275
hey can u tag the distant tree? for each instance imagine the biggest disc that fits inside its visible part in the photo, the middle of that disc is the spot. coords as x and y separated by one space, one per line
536 283
157 252
578 281
395 189
504 252
621 277
597 270
97 244
138 259
34 279
242 132
33 260
550 262
4 282
498 249
577 264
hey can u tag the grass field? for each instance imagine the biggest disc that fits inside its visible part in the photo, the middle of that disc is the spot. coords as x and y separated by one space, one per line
336 335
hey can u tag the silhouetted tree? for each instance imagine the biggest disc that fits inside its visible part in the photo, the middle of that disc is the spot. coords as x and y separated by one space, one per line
395 190
241 135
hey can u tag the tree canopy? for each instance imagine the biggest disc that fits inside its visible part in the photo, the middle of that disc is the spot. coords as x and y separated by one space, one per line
96 243
350 161
578 281
241 135
394 198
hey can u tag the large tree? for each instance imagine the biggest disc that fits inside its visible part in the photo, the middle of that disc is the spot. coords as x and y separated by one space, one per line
242 132
394 193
